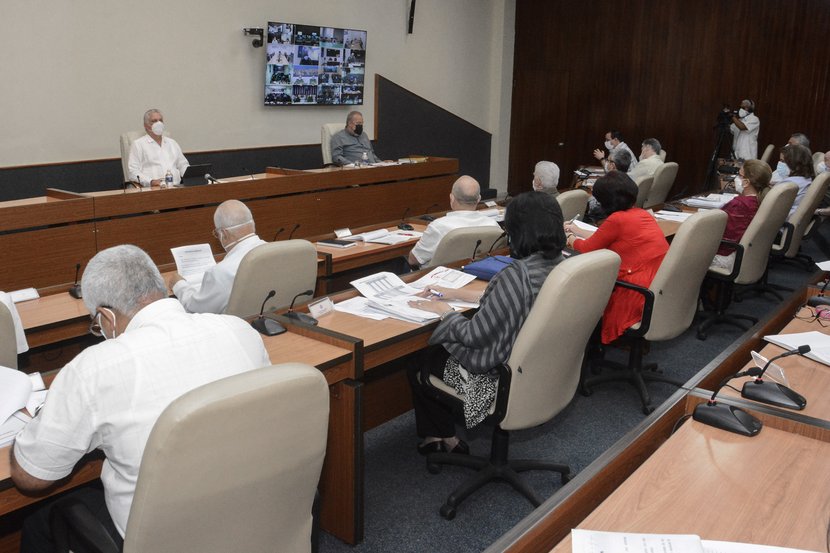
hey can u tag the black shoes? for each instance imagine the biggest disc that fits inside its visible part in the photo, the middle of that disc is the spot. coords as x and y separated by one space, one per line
440 447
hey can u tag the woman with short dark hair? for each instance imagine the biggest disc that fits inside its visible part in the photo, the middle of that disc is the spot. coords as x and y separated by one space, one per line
634 235
467 350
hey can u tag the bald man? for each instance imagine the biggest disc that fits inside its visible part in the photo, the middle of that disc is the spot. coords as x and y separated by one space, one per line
464 199
236 232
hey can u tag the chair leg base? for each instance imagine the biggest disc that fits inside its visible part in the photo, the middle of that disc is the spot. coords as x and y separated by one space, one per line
636 377
724 318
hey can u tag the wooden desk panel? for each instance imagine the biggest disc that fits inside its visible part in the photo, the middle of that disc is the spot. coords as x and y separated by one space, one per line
771 489
57 207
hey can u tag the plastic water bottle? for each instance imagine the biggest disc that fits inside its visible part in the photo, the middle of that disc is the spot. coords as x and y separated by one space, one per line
168 179
365 161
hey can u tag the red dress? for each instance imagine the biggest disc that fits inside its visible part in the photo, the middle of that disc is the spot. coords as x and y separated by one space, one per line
635 236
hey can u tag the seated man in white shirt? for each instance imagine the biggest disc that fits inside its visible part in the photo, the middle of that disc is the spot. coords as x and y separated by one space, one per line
613 143
236 232
110 396
649 160
464 199
152 155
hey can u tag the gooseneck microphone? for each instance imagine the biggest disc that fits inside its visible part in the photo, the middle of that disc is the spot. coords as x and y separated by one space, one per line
279 231
774 393
246 170
426 216
475 250
496 241
301 317
403 225
291 234
727 417
75 291
268 327
210 179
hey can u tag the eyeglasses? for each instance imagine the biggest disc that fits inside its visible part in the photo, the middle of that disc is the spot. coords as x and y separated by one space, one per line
95 327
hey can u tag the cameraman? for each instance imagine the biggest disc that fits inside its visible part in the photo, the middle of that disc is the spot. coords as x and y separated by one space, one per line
745 126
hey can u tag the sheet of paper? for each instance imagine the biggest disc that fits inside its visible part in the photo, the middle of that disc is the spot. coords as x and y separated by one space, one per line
12 427
823 265
359 306
443 276
591 541
582 225
711 546
672 215
192 261
383 286
15 387
819 344
25 294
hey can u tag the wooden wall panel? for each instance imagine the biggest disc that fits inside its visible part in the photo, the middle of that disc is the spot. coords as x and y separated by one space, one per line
663 70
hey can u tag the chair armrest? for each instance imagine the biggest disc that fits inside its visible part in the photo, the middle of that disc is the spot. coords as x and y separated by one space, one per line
787 230
71 521
736 267
648 307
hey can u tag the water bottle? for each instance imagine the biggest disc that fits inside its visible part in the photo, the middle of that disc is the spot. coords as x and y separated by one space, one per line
168 179
365 159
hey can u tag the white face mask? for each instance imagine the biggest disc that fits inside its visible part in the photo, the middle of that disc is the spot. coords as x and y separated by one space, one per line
742 113
782 169
739 185
157 128
822 167
535 185
608 145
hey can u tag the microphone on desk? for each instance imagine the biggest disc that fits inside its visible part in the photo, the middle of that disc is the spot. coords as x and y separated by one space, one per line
75 291
210 179
403 225
268 327
279 231
291 234
426 216
496 241
301 317
774 393
727 417
246 170
475 250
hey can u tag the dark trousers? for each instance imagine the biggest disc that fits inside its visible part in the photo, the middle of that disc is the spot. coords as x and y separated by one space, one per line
432 418
36 536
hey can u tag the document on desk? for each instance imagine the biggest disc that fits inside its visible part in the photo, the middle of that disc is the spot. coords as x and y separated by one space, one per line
360 306
676 216
819 344
443 276
711 201
192 261
384 236
581 225
592 541
386 292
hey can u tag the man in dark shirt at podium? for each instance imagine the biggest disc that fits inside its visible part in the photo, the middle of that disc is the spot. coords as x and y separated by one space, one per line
349 145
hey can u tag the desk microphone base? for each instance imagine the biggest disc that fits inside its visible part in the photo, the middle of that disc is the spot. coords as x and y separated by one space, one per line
301 318
727 417
773 393
268 327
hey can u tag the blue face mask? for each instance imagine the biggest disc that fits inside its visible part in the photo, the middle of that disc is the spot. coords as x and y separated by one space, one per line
782 169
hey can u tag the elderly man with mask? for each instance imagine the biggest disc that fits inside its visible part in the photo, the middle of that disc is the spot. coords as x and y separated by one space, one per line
235 230
153 155
745 126
110 396
546 178
350 144
613 143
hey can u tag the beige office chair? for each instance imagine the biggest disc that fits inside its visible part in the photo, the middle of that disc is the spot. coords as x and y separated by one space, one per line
644 185
230 466
573 203
289 267
818 158
801 221
662 154
765 157
460 244
327 131
8 339
127 140
541 375
670 301
664 178
751 257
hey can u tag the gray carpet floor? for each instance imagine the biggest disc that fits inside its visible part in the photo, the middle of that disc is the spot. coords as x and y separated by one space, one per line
403 498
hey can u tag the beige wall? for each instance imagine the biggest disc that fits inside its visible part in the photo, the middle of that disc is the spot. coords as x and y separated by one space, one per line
77 74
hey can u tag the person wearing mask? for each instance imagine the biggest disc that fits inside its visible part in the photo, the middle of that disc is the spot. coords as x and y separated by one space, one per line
751 184
745 126
235 230
153 155
795 165
111 394
349 145
464 198
546 178
634 235
465 350
614 143
649 160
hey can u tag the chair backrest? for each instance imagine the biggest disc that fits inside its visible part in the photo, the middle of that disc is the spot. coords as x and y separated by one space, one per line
546 358
644 185
818 157
805 211
677 283
326 132
767 153
127 140
662 154
761 232
289 267
459 244
234 465
8 340
573 203
663 181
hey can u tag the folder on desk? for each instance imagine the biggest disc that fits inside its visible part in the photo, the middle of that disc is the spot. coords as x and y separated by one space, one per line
819 344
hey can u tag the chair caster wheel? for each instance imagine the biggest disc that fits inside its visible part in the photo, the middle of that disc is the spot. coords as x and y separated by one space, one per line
585 391
447 512
566 478
433 468
701 335
648 409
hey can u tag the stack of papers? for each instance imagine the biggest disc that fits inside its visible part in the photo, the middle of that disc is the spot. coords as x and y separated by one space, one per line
383 236
592 541
677 216
388 294
18 390
712 201
193 261
819 344
581 225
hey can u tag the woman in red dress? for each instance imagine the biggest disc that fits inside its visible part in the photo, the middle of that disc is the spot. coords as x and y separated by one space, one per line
634 235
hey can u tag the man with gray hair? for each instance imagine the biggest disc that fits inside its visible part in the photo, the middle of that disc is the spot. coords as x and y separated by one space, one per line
649 160
110 396
464 199
349 145
153 155
546 178
235 230
799 138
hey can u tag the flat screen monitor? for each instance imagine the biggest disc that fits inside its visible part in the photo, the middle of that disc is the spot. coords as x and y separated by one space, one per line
308 65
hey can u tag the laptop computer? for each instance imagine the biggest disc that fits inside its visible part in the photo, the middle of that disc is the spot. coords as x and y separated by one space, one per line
194 175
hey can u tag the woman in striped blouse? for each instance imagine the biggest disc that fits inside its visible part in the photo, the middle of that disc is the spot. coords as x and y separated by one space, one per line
467 350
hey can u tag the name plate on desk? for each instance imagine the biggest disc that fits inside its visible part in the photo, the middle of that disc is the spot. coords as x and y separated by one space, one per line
320 307
342 232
